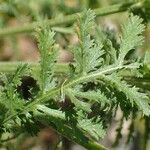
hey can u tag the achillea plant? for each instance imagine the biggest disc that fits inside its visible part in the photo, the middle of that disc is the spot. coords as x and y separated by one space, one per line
94 87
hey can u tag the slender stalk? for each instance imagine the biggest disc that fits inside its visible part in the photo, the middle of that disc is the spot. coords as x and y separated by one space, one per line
67 19
8 67
72 133
68 30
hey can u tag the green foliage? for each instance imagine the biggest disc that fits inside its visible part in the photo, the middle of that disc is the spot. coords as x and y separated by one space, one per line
48 52
93 96
132 36
88 54
132 93
10 98
94 129
79 104
95 84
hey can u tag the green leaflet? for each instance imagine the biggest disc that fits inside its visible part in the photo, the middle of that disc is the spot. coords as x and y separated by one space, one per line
78 103
94 128
132 94
88 55
110 52
10 98
21 71
91 127
92 96
132 36
48 52
86 23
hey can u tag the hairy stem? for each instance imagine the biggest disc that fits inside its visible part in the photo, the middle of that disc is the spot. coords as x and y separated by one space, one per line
68 19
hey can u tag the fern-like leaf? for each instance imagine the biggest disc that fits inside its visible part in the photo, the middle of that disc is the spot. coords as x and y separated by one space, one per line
132 36
110 51
48 52
92 128
92 96
10 98
132 94
88 54
78 103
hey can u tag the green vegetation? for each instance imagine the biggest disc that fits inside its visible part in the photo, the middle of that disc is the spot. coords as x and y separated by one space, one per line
79 99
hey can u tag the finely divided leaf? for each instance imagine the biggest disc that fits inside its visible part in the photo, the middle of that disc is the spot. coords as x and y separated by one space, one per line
48 54
132 36
88 54
86 23
92 96
93 128
78 103
132 94
10 97
107 45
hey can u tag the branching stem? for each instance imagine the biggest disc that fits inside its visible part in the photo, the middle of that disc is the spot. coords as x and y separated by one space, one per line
68 19
74 82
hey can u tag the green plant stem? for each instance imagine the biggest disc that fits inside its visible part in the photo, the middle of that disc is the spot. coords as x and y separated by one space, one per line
8 67
47 116
63 68
68 19
68 30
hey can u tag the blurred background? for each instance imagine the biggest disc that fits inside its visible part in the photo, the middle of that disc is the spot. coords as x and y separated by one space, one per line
23 47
